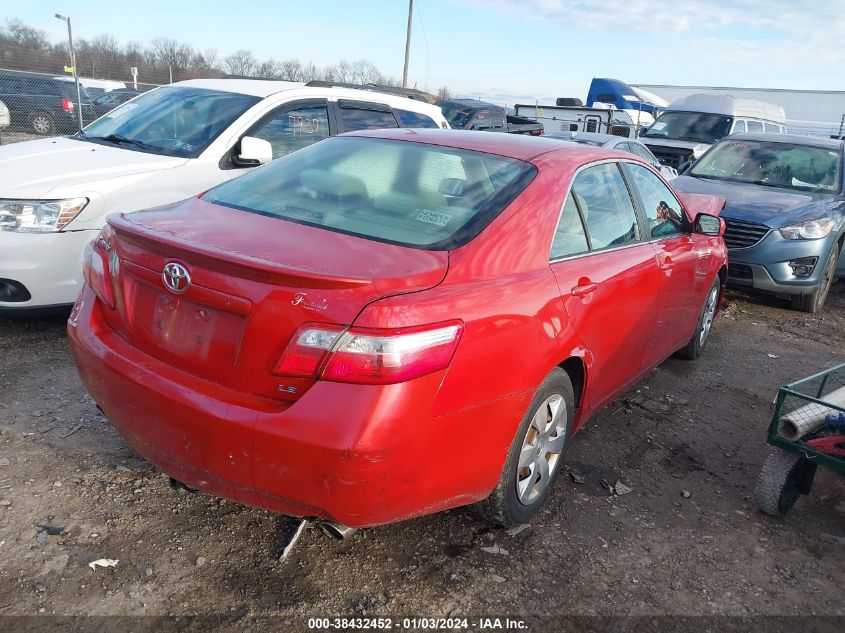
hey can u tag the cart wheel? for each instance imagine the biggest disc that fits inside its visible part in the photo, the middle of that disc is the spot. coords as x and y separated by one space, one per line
783 477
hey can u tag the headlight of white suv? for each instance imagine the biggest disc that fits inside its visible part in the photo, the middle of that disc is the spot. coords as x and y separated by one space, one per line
38 216
812 230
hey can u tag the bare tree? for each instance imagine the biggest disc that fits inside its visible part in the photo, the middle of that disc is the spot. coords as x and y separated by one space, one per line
291 70
170 55
310 72
23 47
343 71
269 69
443 93
240 62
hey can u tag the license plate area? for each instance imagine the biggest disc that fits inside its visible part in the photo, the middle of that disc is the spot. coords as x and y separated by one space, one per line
187 333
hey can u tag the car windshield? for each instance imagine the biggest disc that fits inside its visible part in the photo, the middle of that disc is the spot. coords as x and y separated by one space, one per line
412 194
697 127
172 121
457 116
772 164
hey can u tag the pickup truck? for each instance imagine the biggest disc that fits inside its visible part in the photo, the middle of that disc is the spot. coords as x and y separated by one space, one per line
471 114
160 147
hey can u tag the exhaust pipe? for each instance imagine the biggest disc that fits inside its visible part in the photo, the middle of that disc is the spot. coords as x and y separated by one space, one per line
337 530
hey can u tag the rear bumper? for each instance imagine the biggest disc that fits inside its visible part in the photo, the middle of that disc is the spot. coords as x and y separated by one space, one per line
360 455
47 265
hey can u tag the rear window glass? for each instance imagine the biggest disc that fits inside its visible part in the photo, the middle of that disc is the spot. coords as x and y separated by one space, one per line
354 119
414 119
412 194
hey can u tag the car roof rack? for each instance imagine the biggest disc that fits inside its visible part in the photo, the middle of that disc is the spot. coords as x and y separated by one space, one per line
408 93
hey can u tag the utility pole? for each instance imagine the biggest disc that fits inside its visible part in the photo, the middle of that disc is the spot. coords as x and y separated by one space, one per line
73 66
408 43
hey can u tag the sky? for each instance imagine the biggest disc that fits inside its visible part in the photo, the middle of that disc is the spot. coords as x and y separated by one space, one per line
507 51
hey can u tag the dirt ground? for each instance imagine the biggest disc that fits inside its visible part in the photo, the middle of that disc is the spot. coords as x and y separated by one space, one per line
7 137
697 427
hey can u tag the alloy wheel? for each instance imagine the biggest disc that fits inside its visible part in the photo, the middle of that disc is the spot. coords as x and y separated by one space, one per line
709 315
42 124
541 450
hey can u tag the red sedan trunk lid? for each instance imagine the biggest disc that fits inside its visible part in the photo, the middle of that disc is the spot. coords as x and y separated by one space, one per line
253 281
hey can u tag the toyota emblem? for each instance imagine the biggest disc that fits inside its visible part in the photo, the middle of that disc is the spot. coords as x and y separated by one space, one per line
176 277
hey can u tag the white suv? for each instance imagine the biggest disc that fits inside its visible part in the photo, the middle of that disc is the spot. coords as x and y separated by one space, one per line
161 147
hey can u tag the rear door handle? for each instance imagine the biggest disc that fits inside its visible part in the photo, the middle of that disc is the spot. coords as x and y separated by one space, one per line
583 289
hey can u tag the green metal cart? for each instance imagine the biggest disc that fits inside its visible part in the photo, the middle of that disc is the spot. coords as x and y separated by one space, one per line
807 431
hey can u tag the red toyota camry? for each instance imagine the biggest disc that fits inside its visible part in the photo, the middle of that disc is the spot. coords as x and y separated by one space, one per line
391 323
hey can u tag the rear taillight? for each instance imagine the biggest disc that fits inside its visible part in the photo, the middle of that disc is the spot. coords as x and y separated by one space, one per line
96 266
369 356
68 105
305 353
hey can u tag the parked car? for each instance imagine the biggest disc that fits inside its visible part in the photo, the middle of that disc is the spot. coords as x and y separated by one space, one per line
108 101
690 125
42 104
388 324
165 145
95 87
472 114
610 141
784 213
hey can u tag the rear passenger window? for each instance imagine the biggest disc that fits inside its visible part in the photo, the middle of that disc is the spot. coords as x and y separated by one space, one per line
407 118
606 205
354 119
739 127
755 126
570 237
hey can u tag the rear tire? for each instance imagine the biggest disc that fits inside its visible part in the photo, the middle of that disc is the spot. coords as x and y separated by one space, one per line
812 303
42 123
696 344
535 458
783 477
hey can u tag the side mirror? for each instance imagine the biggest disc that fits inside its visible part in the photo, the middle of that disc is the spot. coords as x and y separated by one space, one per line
709 225
684 166
254 152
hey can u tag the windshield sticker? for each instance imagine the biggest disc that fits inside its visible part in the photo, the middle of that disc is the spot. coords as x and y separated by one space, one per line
432 217
658 126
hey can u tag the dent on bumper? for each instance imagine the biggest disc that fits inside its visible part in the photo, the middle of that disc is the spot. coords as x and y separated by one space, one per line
49 265
360 455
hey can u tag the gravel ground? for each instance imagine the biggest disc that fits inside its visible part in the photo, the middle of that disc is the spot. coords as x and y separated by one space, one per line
688 540
7 138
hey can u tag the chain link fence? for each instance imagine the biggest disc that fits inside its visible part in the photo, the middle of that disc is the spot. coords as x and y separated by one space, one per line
35 105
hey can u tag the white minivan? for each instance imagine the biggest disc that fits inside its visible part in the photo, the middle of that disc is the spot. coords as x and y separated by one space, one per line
690 125
162 146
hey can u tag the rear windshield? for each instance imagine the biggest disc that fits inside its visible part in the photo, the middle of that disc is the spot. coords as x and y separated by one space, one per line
412 194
